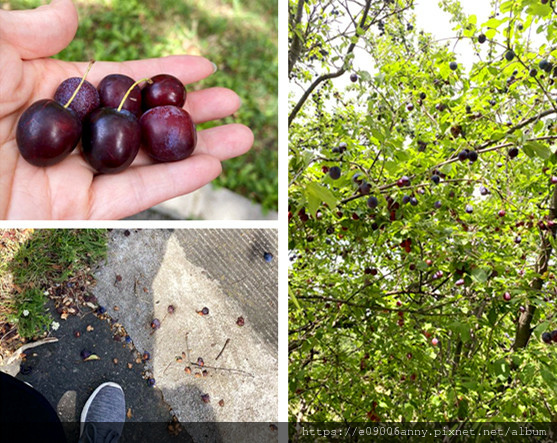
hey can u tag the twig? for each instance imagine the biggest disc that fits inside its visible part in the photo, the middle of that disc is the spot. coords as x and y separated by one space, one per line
187 347
222 350
222 369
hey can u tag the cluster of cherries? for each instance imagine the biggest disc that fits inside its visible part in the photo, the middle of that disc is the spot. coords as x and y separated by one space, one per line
112 121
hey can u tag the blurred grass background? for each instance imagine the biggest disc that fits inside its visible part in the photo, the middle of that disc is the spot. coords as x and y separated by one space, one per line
239 36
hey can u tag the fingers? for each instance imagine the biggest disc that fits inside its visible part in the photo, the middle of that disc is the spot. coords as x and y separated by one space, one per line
39 32
187 68
212 104
224 142
138 188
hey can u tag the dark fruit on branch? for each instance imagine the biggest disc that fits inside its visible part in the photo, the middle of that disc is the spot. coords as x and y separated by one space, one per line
512 152
372 202
335 172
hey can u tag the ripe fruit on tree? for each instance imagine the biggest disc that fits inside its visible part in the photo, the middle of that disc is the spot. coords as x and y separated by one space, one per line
502 213
463 155
546 337
403 181
507 296
482 38
335 172
353 77
509 55
472 156
364 188
434 341
469 209
372 202
512 152
453 66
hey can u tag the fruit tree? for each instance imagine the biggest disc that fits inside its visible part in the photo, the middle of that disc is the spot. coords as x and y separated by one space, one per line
422 213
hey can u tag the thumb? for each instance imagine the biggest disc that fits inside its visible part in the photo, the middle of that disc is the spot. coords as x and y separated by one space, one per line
39 32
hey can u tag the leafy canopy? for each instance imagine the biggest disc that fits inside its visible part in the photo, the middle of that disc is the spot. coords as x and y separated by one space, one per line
421 282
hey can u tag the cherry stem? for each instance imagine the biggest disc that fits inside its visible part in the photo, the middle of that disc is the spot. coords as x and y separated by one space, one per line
80 83
148 80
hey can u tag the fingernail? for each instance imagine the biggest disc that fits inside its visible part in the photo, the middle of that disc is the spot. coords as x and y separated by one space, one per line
215 69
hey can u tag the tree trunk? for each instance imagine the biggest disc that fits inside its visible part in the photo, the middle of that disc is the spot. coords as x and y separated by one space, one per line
524 329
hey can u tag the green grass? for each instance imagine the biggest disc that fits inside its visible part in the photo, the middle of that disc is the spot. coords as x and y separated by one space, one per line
38 261
28 313
240 37
54 255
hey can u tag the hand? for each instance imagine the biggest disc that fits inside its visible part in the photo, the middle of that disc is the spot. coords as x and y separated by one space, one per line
70 190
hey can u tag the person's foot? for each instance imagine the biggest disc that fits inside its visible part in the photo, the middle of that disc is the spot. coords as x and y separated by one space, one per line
104 414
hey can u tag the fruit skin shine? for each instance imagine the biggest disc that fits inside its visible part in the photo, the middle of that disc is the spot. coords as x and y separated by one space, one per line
164 90
112 90
111 139
168 133
47 133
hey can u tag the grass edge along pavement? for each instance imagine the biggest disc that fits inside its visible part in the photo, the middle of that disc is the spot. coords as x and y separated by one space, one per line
36 265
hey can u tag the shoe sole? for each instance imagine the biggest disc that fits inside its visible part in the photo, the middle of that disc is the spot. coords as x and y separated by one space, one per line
90 400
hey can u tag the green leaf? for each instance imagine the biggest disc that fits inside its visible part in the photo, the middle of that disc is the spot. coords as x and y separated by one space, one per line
539 149
294 299
316 194
462 329
549 378
480 275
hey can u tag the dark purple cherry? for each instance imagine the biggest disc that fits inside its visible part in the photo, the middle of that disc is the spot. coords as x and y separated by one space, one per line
47 133
112 90
86 99
165 90
111 139
168 133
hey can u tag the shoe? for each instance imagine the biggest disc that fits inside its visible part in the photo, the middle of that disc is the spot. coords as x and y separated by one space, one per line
104 414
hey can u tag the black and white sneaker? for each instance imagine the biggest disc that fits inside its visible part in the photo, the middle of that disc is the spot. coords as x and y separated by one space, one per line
104 414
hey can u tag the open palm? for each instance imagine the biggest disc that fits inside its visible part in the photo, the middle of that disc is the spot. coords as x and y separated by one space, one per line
70 189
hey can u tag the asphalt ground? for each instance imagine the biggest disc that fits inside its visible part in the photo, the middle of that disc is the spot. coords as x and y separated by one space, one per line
148 271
